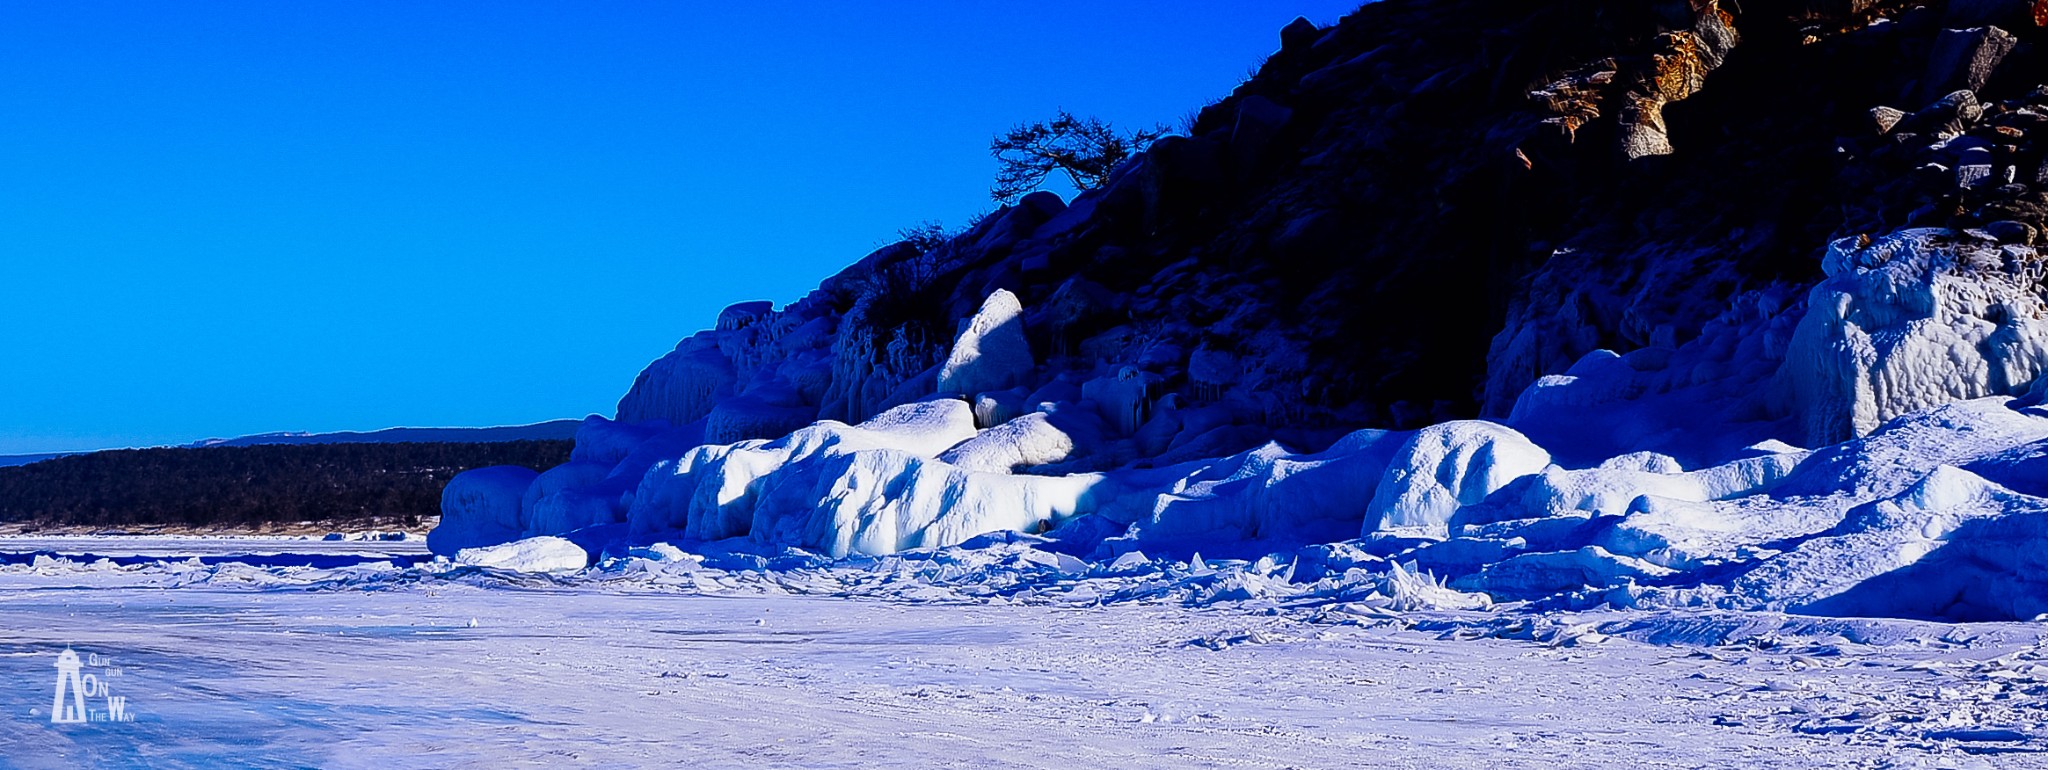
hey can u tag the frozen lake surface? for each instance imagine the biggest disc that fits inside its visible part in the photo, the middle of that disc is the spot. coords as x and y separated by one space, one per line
378 665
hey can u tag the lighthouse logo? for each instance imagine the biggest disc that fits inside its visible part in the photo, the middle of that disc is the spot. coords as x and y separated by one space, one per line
69 710
75 686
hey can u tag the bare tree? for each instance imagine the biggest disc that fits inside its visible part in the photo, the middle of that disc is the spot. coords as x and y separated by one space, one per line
926 236
1085 149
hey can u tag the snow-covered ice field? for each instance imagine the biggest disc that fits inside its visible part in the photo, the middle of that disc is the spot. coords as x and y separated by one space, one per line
646 663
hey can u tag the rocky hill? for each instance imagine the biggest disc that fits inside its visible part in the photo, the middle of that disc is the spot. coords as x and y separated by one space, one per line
1412 215
1657 246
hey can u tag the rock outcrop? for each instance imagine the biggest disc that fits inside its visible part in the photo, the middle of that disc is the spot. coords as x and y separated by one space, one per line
1389 226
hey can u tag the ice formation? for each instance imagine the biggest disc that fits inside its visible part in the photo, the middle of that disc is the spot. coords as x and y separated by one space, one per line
991 353
1656 478
1255 342
482 507
1910 322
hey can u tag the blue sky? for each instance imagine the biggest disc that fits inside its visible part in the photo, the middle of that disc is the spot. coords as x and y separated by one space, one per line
236 217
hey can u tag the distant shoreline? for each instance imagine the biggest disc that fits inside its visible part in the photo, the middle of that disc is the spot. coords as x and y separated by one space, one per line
564 428
10 461
278 529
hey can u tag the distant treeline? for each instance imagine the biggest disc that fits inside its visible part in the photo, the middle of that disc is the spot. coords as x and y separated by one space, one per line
236 486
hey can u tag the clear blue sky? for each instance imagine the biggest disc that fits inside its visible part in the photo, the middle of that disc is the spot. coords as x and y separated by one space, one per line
225 218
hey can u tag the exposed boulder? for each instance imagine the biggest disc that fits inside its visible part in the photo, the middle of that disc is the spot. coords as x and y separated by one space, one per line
1951 114
1965 59
1258 120
1298 34
1678 68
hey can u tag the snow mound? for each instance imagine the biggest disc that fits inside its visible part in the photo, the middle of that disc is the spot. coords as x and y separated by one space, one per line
1688 534
1472 510
1530 575
1610 491
1443 468
534 554
1266 494
1027 442
878 487
1901 531
886 501
1989 567
2022 469
1646 462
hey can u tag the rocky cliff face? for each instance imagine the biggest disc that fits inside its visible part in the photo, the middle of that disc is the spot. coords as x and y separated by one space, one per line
1414 214
1636 237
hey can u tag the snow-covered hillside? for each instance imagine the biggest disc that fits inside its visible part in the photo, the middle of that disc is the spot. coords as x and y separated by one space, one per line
1597 348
